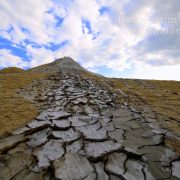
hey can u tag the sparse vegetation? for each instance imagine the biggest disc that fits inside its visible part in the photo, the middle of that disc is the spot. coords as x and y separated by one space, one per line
11 70
15 111
162 97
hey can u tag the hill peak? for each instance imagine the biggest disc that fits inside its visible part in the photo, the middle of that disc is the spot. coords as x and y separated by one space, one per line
67 62
65 59
11 70
61 64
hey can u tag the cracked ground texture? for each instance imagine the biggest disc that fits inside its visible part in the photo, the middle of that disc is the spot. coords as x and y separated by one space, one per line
81 133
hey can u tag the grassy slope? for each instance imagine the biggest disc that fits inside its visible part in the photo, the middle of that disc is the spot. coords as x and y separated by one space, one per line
162 97
15 111
11 70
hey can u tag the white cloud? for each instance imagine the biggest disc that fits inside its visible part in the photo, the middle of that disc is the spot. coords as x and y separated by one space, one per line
30 15
39 55
145 71
7 59
109 43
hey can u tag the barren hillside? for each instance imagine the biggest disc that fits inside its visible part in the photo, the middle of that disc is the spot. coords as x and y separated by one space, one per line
60 121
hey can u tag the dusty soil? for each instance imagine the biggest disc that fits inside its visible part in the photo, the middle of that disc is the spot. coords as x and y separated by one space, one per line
15 111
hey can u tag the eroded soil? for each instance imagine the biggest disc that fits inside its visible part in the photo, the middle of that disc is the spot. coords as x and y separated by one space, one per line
82 133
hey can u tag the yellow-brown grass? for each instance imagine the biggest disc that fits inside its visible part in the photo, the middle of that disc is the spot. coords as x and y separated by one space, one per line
162 97
11 70
15 111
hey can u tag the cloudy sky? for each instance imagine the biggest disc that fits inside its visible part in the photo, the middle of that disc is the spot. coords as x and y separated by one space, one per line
117 38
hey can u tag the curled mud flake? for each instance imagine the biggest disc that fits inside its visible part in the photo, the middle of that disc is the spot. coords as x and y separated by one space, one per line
73 166
97 150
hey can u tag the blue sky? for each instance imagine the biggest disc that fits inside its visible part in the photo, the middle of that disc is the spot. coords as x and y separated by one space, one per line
117 38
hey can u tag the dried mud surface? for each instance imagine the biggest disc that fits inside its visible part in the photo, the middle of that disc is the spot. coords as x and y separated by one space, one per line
83 133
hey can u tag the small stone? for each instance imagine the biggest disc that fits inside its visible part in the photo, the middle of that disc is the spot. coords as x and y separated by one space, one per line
116 163
118 124
92 102
105 121
154 126
150 120
11 141
38 138
77 109
88 110
81 120
66 136
94 115
133 150
74 146
73 166
148 134
58 115
57 98
70 89
80 100
160 131
61 124
122 113
101 174
20 131
42 98
37 125
176 169
98 149
134 170
51 151
43 116
117 134
158 139
93 132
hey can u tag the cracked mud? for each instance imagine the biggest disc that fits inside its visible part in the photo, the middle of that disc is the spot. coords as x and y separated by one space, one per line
81 134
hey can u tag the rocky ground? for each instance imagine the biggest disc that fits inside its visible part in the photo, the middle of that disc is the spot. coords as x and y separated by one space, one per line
82 134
